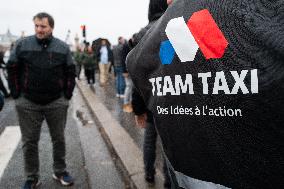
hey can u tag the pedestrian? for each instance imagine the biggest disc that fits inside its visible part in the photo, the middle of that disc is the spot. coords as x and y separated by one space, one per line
105 58
119 56
41 76
78 61
89 65
2 67
212 75
143 116
127 106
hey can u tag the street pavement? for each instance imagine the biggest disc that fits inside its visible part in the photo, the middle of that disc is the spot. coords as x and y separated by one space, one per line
125 137
88 158
8 115
107 95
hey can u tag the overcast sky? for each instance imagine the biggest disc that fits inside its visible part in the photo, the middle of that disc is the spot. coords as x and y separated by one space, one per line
103 18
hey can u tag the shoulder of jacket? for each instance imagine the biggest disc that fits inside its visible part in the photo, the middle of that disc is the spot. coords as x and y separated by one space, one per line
60 42
23 40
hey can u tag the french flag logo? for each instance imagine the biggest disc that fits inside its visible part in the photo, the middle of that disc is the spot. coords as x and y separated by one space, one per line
200 31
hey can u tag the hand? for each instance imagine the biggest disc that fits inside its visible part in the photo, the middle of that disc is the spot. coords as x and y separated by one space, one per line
125 74
140 120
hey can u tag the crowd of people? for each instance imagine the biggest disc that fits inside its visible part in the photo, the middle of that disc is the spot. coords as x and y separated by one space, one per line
38 99
104 59
176 74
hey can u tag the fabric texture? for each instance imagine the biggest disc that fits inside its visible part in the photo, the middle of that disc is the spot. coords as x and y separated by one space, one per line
220 115
41 70
31 116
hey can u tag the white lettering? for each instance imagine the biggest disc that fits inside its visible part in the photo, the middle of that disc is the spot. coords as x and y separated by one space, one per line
162 86
152 81
168 86
220 76
204 77
187 85
239 82
159 86
254 81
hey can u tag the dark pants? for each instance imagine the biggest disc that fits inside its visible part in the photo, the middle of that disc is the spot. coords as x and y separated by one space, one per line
149 151
78 70
90 74
31 116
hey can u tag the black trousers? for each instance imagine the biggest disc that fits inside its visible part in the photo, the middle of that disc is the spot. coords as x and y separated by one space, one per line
90 74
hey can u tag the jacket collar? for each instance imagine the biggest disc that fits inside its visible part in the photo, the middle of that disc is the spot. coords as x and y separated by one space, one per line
44 42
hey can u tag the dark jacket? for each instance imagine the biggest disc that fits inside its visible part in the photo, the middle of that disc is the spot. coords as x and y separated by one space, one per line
88 61
155 11
126 49
42 70
120 52
212 73
110 54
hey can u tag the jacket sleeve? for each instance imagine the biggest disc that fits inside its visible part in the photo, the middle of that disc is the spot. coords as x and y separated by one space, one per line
70 75
110 56
125 52
13 70
138 103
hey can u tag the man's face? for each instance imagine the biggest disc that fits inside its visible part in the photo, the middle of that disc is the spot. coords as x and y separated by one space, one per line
42 28
121 40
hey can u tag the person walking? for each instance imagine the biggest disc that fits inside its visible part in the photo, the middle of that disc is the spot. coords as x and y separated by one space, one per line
78 54
214 83
105 58
119 56
41 76
127 106
89 65
143 116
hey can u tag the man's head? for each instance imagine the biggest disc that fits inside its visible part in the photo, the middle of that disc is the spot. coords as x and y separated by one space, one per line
121 40
44 24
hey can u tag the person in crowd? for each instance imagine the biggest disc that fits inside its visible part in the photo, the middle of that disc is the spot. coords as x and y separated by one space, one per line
144 117
78 61
89 65
2 67
119 56
127 106
105 58
212 75
41 77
